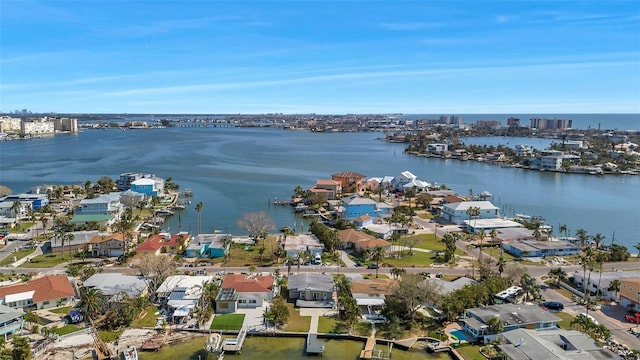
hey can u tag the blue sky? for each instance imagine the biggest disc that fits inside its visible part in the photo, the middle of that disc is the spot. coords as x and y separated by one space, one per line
322 57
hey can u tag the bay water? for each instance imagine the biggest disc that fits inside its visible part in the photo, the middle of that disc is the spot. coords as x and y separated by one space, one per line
235 171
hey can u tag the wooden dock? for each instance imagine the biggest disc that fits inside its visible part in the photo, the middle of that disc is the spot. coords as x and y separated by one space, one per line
369 346
314 346
235 344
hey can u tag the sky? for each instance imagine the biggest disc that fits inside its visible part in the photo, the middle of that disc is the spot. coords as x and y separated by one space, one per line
203 57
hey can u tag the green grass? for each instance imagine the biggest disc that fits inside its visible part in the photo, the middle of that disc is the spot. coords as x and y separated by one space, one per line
51 260
62 310
418 259
67 329
110 336
296 323
227 322
470 352
566 319
327 324
363 329
373 276
148 319
428 242
18 255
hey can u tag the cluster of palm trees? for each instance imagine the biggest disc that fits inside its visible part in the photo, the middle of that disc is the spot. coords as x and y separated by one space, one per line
349 310
590 327
327 236
592 256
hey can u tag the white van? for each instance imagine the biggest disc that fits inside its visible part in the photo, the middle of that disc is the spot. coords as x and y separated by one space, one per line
317 260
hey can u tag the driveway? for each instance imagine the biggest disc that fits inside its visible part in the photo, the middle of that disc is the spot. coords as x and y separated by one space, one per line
253 318
346 260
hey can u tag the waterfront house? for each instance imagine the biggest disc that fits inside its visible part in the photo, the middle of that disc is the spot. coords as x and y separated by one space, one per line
208 246
356 206
402 179
475 226
457 212
7 210
40 293
370 297
152 187
443 287
133 199
106 245
552 344
605 282
164 243
180 294
311 290
102 210
117 287
295 245
437 148
536 248
512 317
34 201
11 320
252 290
226 301
630 293
351 181
327 188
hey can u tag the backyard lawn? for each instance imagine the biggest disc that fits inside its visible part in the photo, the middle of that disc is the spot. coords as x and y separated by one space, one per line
470 352
296 323
110 336
227 322
67 329
327 325
148 318
61 310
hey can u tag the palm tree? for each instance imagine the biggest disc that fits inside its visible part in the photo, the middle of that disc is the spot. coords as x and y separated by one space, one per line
582 236
377 255
597 239
501 264
481 235
585 259
124 225
15 208
615 286
92 301
563 229
494 325
199 207
558 274
68 237
600 258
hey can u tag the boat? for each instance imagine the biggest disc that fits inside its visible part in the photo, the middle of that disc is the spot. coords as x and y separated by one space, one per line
164 212
130 353
212 344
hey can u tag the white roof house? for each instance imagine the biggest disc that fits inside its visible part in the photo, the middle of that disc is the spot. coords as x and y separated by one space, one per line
457 212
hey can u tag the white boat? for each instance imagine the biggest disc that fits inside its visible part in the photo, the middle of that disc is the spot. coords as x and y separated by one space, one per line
130 353
213 342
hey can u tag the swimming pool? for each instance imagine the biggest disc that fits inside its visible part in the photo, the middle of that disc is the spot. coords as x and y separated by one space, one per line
459 335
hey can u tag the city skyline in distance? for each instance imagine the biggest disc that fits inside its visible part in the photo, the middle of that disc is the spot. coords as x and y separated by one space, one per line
335 57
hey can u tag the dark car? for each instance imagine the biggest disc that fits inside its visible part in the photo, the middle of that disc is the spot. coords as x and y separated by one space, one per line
372 266
553 305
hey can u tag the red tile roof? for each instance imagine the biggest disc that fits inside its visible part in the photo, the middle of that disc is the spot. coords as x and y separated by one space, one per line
244 284
50 287
156 242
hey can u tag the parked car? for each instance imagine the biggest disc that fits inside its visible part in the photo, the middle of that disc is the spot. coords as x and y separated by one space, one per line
635 318
553 305
372 266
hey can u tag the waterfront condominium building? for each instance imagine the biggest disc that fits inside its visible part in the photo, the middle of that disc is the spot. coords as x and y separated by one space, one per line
550 124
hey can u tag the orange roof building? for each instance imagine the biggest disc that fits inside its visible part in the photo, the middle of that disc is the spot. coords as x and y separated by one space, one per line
164 243
249 291
41 293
